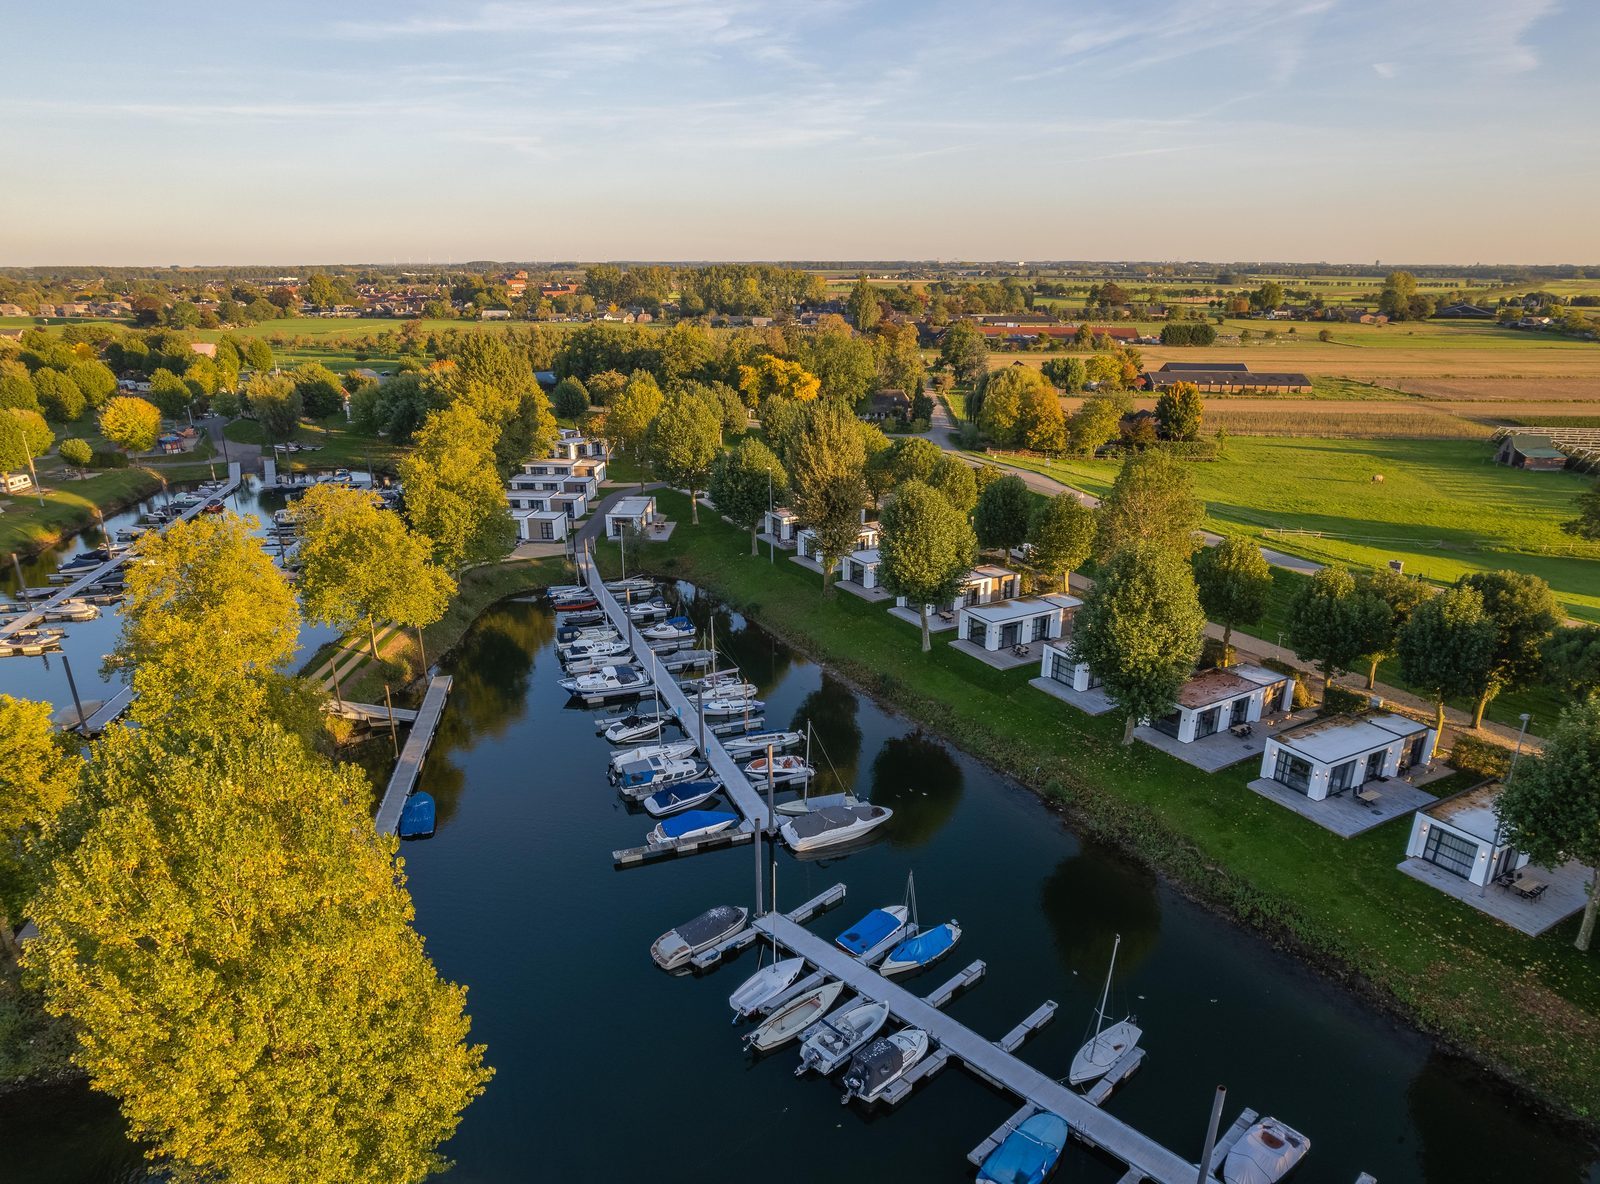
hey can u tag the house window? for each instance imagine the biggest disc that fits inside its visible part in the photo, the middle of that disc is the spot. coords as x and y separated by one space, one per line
1450 851
1041 628
1167 724
1061 668
1206 722
1293 771
977 632
1342 778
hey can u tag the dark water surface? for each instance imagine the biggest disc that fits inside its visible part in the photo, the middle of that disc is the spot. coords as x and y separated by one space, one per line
608 1069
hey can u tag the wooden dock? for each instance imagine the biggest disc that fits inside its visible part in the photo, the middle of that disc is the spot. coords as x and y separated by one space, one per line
409 767
650 852
986 1058
372 713
814 907
37 612
107 713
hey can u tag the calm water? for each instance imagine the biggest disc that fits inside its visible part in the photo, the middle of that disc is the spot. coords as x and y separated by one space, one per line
607 1068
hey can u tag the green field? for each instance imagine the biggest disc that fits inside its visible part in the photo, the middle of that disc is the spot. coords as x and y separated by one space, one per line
1443 507
338 446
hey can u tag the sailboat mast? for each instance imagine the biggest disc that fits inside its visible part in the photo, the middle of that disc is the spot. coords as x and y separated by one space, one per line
1105 995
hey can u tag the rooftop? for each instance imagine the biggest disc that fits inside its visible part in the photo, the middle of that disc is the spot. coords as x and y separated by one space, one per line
1471 812
1016 610
868 556
990 571
1339 737
632 507
1237 367
1259 675
1213 686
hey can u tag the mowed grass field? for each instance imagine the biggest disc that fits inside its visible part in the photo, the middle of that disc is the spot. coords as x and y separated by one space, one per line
1443 508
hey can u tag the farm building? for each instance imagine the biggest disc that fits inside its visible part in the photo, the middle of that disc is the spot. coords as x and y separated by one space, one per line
1229 377
1526 451
1463 312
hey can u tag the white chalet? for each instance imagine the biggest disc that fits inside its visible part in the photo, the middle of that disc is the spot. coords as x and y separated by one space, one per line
1343 752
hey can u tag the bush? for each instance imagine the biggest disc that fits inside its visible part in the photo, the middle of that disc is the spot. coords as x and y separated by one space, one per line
1340 701
1189 449
1214 655
1302 696
76 452
1471 754
108 459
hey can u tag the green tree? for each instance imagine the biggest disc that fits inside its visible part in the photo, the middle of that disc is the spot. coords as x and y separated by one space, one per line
927 548
911 458
59 396
964 351
1267 297
1139 629
630 413
1065 374
131 423
1151 499
1552 810
1094 424
1572 660
1524 613
1447 647
1587 524
1402 594
24 435
828 490
170 392
844 364
1061 532
232 943
1178 411
1002 514
958 481
1332 622
361 565
258 354
454 498
685 438
1394 301
37 779
275 403
17 389
745 481
999 413
570 399
862 304
1234 583
76 452
321 393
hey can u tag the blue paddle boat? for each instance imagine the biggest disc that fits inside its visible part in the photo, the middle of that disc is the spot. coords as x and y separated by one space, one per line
416 817
1029 1153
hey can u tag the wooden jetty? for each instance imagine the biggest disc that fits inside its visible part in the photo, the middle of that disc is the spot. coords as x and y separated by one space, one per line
986 1058
372 713
37 612
107 713
650 852
409 767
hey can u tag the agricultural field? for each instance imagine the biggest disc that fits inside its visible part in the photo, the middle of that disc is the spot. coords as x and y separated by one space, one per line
1442 507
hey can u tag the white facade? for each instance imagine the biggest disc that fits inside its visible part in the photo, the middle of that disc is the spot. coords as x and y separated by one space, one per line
861 567
573 505
630 513
781 524
1461 834
541 526
17 482
805 540
574 445
1060 666
527 500
1016 622
982 585
1344 752
1217 699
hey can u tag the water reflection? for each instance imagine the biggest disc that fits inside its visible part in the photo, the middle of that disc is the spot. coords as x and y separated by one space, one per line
1088 901
916 777
830 711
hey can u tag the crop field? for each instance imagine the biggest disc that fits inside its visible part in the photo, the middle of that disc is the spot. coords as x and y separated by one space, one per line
1442 507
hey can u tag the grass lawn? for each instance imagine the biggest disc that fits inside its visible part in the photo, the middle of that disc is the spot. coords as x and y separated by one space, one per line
338 445
1443 507
69 505
1531 1006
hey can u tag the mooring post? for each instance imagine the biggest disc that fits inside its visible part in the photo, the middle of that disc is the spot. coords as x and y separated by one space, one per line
1211 1134
394 731
73 685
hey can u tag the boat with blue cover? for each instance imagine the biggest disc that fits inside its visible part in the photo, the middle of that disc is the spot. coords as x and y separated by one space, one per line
416 816
676 798
924 949
880 926
696 824
1029 1153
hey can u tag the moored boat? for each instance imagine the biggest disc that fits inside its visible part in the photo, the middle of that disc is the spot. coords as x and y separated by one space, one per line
759 742
1265 1153
674 799
1029 1153
1110 1043
672 629
676 946
672 751
833 825
609 682
924 949
879 930
637 780
716 707
783 769
883 1062
794 1017
829 1042
765 985
693 824
417 817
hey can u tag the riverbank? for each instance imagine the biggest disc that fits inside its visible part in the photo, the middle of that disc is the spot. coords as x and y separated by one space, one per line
1526 1008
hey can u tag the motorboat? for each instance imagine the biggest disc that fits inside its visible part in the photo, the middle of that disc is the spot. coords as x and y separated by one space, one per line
882 1063
1029 1153
1265 1153
563 591
1109 1043
686 795
879 930
648 610
593 647
694 824
732 706
672 629
670 750
805 804
828 1043
706 682
637 780
794 1017
676 946
759 742
924 949
574 602
568 634
833 825
581 617
738 727
631 584
727 688
781 770
30 643
74 608
417 816
765 985
609 682
638 727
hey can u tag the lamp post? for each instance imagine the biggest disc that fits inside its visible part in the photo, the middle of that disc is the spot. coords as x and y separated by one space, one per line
1516 753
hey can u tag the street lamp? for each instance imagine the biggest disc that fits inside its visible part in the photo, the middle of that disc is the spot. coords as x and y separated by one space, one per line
1516 754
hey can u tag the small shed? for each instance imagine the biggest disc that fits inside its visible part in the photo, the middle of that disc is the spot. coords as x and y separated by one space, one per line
1523 450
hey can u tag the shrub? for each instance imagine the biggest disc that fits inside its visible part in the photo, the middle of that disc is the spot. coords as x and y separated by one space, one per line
1472 754
1187 333
108 459
1214 655
1302 697
76 452
1341 701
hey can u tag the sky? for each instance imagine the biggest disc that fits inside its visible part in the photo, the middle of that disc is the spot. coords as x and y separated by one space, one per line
1342 130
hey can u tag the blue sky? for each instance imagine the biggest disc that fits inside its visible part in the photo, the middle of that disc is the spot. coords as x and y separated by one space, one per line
1452 130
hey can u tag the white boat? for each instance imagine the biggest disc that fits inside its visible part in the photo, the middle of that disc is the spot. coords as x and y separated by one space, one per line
694 824
784 770
806 803
724 689
676 946
833 825
671 750
882 1063
72 609
828 1043
1109 1043
592 648
717 678
733 706
681 796
672 629
564 591
648 610
637 780
759 742
631 584
1265 1153
765 985
573 633
609 682
637 727
794 1017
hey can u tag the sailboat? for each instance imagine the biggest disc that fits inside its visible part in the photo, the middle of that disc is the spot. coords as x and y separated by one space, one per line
923 949
1108 1044
805 803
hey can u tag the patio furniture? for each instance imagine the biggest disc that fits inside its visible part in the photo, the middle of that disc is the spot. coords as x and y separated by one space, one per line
1020 651
1368 797
1529 887
1242 730
946 615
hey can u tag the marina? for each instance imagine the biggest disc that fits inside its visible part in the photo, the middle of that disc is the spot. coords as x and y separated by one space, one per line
408 768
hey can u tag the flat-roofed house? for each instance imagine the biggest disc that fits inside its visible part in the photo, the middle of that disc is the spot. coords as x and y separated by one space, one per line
541 526
630 513
1340 753
1462 834
780 524
1003 624
1216 699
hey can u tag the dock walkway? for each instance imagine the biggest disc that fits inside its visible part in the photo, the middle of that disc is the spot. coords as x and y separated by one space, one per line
409 767
986 1058
108 712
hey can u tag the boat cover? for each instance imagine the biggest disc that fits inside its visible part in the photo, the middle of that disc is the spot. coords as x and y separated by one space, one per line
1028 1153
818 822
665 799
1265 1154
874 1066
925 947
676 828
710 925
416 817
867 932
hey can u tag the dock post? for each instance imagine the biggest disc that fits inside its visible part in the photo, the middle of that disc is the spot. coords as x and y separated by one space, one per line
72 684
1211 1134
394 730
423 653
22 584
756 843
771 828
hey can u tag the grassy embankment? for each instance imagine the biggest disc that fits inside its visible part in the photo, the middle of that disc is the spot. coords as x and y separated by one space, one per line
338 445
1529 1007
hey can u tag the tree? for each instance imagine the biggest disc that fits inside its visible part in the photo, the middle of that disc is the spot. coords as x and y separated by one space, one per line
453 492
1332 623
964 350
958 481
1152 498
1139 630
745 481
1572 660
863 306
275 403
1587 524
1178 411
131 423
360 565
76 452
258 354
1016 404
1394 301
37 779
844 364
1268 296
770 375
24 435
1002 514
927 548
1065 374
911 458
1061 533
233 945
321 393
684 440
1234 583
1552 810
1095 423
59 396
630 412
1402 594
570 399
1447 647
1524 613
17 389
827 488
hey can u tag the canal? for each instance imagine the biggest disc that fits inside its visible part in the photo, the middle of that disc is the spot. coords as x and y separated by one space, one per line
607 1068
